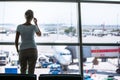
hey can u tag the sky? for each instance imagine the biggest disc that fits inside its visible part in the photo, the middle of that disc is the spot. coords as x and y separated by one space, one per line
61 12
45 12
100 13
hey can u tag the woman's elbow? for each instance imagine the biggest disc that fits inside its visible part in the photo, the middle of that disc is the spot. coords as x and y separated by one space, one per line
38 34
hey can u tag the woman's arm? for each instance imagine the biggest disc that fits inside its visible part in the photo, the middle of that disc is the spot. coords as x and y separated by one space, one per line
16 40
39 32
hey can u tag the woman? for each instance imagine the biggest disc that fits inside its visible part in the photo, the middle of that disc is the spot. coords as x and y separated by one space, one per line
28 49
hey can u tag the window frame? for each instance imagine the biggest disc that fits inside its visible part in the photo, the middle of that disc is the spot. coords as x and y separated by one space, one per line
80 43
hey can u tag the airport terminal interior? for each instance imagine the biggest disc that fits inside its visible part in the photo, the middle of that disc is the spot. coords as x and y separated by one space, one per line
80 39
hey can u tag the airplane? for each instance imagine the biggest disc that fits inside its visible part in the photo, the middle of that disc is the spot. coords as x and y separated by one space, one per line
63 56
66 54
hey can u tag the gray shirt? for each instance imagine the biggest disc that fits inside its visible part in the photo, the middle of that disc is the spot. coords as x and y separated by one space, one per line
27 36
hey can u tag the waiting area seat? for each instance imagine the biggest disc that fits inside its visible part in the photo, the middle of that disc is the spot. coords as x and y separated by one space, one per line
60 77
18 77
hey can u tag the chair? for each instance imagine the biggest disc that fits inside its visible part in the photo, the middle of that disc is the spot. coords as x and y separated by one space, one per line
18 77
60 77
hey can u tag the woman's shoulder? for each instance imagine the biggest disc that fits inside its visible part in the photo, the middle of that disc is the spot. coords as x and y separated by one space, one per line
23 25
19 25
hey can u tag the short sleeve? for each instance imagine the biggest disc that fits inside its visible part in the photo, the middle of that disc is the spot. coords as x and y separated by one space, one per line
36 29
18 28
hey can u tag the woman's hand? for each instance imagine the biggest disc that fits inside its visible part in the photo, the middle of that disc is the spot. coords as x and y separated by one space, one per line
35 21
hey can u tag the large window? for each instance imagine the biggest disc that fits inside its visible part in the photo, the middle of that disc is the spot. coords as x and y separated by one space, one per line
101 38
58 22
101 22
83 36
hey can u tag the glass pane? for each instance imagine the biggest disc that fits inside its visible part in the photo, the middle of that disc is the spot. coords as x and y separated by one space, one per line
101 62
51 59
100 22
57 20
